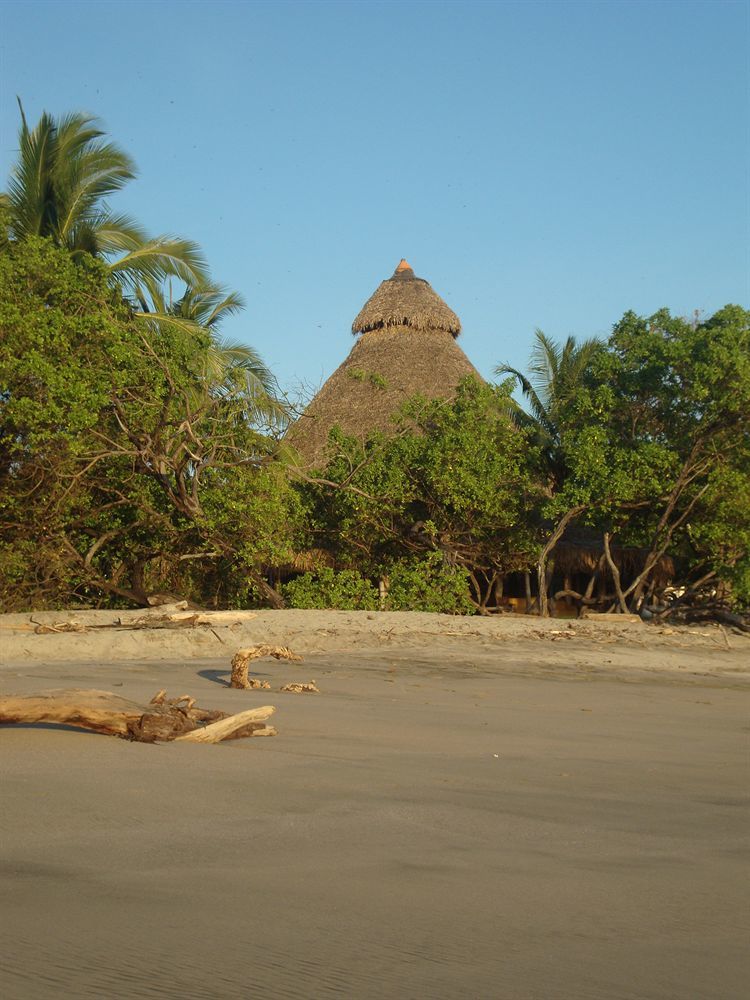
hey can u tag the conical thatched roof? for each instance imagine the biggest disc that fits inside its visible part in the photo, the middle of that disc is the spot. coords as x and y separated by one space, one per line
406 300
407 347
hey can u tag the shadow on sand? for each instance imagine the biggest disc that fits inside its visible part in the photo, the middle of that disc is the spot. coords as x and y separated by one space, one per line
216 676
54 726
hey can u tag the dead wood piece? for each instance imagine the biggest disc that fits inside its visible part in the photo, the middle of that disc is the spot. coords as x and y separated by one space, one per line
231 727
225 617
297 688
160 621
243 657
615 616
59 627
162 720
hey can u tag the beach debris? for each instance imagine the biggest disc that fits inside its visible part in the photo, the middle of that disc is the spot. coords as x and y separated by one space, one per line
243 657
162 720
41 629
171 601
610 616
174 619
297 688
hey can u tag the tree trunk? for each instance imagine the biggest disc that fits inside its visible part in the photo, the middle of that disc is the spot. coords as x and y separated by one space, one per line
267 592
615 574
527 590
551 603
541 566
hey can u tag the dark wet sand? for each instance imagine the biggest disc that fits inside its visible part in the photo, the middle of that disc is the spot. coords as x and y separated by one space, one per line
427 827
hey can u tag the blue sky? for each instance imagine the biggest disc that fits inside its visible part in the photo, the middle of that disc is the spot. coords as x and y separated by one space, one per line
541 164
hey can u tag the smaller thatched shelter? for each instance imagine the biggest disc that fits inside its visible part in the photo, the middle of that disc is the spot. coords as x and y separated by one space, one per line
406 346
579 558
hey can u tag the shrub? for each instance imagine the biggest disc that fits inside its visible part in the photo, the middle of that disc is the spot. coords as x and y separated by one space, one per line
429 584
345 590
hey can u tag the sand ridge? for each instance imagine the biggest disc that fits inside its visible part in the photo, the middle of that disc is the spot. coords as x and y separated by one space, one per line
607 646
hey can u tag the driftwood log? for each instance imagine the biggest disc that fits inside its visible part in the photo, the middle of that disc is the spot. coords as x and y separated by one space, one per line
243 657
162 720
179 619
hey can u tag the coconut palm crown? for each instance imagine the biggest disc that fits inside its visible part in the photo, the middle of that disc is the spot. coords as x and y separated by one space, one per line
66 169
556 373
222 367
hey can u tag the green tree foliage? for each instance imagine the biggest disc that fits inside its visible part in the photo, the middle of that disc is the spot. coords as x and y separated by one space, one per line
429 584
426 584
652 446
454 483
123 469
346 590
673 399
65 172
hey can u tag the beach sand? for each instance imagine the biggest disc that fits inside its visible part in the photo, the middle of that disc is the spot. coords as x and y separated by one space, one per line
470 808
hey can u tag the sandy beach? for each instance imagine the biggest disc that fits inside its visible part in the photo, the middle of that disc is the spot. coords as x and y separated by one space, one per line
470 808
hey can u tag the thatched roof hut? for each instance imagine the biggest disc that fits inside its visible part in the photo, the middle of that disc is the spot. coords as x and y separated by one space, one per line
579 554
406 345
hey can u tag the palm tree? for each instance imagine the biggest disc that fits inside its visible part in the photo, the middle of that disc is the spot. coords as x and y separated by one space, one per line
556 376
66 170
223 367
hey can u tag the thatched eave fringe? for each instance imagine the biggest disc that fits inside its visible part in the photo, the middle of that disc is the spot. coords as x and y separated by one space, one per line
586 557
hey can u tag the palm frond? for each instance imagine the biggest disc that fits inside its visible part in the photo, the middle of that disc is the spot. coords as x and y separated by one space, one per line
557 374
154 259
85 178
209 303
226 356
117 232
544 366
262 406
30 190
178 324
538 414
575 364
65 171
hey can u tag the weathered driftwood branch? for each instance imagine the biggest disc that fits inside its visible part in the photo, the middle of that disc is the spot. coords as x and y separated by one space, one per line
297 688
172 620
162 720
243 657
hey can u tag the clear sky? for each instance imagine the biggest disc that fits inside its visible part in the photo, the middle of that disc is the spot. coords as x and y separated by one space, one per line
541 164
